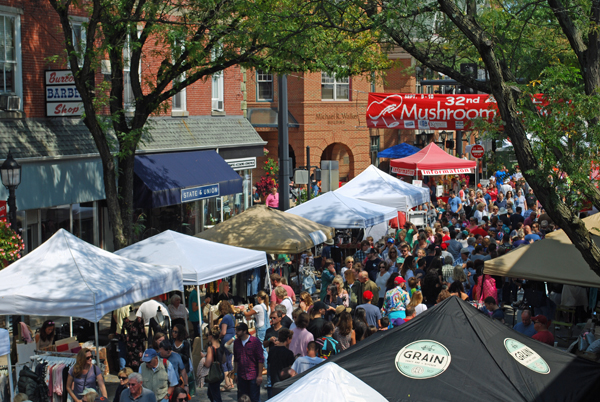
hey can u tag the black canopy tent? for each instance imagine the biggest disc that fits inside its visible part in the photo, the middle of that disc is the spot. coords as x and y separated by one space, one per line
453 352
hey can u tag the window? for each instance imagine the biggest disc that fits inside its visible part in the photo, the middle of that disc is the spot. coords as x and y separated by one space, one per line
8 54
79 39
217 92
178 102
374 150
264 86
333 88
179 98
128 97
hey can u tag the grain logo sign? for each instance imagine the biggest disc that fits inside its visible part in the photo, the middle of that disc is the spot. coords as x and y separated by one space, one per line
423 359
526 356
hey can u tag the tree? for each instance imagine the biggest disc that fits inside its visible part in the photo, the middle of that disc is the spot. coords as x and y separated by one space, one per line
189 41
518 43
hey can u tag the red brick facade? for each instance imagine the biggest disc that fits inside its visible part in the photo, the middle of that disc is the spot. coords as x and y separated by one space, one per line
334 130
41 38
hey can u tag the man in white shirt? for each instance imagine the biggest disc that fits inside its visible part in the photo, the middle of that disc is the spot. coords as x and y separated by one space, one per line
310 360
149 309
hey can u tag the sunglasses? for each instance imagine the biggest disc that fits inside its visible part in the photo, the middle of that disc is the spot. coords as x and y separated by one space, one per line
175 332
131 384
88 358
122 378
181 399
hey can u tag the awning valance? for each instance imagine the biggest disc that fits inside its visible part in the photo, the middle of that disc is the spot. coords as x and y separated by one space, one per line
173 178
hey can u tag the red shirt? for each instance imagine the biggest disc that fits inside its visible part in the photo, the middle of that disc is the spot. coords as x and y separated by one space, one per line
545 337
248 357
480 231
444 244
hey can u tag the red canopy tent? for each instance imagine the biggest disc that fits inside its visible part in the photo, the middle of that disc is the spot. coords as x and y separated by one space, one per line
431 161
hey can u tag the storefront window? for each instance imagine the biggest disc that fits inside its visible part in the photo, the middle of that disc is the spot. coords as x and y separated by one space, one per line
55 218
32 237
188 218
83 221
212 211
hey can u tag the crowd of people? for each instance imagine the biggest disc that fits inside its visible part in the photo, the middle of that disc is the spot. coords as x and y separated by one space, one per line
382 285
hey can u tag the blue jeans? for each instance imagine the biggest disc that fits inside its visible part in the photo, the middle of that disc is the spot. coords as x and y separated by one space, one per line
250 388
214 392
260 334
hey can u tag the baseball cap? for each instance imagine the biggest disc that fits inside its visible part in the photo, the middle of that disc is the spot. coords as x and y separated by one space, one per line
149 354
445 229
367 295
242 326
320 306
371 250
390 240
540 318
431 247
399 280
465 251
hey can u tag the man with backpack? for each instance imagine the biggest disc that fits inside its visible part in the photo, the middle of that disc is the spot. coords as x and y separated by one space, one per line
328 345
158 375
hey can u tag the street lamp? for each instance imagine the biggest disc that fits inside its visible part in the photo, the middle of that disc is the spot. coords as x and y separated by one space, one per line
11 178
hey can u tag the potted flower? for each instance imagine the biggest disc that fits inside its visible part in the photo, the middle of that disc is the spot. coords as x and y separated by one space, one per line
11 245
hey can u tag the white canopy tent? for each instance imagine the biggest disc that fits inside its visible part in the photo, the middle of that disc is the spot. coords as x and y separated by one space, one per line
341 212
333 384
378 187
202 261
69 277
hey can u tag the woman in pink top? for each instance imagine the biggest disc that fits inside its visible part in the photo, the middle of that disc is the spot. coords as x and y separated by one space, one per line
273 198
301 336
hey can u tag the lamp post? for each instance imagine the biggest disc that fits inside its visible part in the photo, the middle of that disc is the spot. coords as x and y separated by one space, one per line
421 139
442 139
11 178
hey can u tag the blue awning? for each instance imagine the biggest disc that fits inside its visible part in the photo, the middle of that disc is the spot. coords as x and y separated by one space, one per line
160 178
398 151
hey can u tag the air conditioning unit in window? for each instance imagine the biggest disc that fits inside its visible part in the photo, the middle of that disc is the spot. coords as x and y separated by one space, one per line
10 103
217 104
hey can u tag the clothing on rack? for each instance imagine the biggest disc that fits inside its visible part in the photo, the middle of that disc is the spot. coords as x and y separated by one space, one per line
133 334
4 388
54 368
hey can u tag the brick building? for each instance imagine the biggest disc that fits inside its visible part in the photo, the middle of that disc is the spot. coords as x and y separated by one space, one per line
62 178
327 114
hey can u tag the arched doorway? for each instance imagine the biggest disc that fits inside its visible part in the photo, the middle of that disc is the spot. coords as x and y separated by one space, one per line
341 153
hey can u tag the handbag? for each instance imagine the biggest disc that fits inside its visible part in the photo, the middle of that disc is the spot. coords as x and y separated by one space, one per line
215 373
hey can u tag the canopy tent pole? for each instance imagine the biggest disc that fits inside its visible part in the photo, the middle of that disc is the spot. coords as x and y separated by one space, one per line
187 329
200 316
10 379
71 326
97 345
